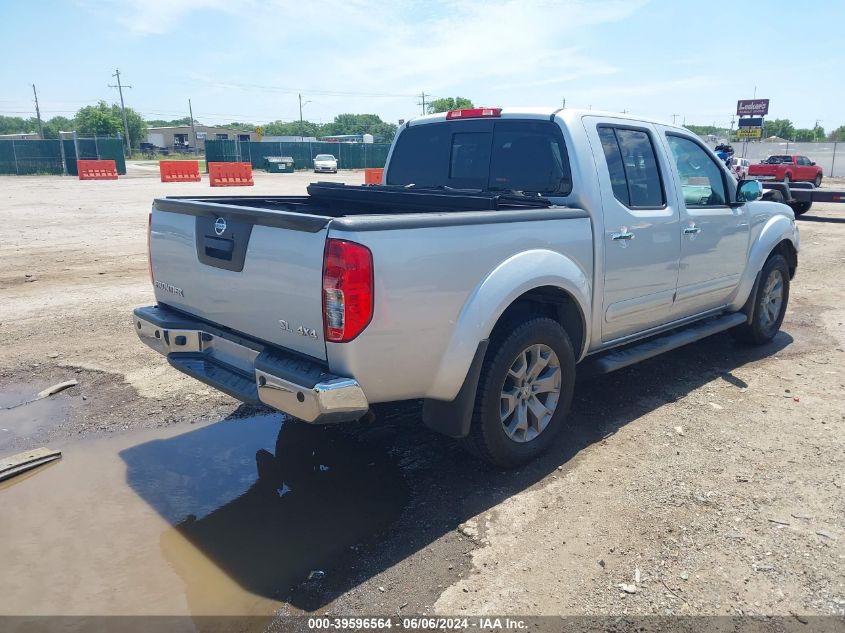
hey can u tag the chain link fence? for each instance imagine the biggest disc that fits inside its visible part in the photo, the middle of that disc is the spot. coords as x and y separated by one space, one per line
54 156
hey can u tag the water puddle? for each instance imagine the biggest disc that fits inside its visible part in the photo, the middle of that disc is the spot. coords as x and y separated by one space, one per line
21 415
224 519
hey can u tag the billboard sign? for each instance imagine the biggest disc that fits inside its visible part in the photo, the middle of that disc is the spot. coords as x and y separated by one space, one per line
754 121
749 132
753 107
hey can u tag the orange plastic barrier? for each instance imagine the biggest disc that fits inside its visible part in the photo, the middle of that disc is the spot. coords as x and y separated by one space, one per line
373 176
96 169
179 170
230 174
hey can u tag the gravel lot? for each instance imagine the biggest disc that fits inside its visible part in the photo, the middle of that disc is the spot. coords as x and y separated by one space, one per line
707 481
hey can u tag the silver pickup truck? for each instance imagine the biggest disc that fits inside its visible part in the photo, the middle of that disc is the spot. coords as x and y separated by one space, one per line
505 251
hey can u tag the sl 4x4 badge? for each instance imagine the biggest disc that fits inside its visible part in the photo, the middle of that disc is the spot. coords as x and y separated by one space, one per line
304 331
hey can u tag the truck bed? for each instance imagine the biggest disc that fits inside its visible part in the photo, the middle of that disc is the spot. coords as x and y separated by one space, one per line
254 263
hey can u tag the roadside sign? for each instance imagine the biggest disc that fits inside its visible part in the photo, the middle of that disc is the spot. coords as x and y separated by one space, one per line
758 107
756 121
749 132
259 132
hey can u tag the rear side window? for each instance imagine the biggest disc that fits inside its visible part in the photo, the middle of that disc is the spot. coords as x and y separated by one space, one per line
632 165
504 155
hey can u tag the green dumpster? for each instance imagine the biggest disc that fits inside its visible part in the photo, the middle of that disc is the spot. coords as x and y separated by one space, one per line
278 164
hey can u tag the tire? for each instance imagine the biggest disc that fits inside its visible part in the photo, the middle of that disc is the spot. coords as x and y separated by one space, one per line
818 181
786 178
767 317
535 343
800 208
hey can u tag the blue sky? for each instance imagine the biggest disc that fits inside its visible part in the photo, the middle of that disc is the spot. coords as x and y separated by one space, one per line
246 60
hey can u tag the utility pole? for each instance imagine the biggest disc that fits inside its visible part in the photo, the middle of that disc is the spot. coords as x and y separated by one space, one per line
674 116
563 104
301 120
193 130
422 94
38 114
120 88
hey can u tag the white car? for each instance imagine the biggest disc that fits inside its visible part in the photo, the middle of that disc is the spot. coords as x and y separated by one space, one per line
740 167
325 163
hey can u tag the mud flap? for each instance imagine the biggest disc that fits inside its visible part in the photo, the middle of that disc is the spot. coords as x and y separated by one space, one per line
453 418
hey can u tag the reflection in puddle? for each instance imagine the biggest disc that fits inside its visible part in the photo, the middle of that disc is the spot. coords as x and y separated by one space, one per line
222 519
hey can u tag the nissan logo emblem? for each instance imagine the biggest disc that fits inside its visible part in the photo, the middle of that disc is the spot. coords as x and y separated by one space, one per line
220 226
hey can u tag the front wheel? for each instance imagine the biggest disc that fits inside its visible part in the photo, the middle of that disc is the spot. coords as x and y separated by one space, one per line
524 393
818 181
769 303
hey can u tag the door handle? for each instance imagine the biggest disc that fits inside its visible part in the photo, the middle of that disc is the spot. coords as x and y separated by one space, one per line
621 236
692 230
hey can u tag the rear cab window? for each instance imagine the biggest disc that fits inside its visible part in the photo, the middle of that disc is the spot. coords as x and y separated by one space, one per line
490 155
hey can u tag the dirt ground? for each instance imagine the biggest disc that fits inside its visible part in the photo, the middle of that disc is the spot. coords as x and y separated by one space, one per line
708 481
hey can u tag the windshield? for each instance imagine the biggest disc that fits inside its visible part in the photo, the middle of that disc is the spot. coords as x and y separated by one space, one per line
324 157
501 155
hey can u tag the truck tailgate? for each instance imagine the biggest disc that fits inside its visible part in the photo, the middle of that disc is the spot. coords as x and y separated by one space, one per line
251 270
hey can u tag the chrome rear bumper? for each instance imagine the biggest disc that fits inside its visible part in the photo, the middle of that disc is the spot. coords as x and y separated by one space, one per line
250 371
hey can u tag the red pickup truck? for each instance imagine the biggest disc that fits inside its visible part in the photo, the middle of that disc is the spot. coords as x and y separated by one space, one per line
787 168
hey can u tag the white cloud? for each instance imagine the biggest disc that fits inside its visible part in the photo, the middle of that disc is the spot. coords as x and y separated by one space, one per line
502 50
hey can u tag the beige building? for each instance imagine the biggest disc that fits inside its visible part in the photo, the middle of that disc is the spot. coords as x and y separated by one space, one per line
181 136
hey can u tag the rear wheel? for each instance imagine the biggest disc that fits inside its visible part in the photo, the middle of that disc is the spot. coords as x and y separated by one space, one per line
523 393
818 181
769 303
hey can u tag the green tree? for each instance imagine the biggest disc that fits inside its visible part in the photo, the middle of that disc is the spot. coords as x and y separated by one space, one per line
779 127
292 128
57 124
705 130
838 134
803 135
163 123
808 135
17 125
242 127
99 119
382 131
106 120
444 104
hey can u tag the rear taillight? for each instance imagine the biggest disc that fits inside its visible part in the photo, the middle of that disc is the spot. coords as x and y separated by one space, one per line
149 253
473 113
347 290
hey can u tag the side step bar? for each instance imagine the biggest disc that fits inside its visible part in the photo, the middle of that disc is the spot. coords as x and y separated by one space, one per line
619 358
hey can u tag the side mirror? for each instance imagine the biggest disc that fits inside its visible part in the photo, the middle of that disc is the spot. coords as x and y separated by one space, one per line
813 163
749 191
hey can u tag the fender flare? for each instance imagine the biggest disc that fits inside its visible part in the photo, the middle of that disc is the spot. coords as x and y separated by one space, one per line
776 229
448 407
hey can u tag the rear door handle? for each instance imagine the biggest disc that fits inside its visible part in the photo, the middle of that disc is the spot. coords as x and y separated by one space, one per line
692 230
621 236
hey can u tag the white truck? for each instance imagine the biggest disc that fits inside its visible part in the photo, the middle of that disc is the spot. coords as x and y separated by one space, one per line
506 251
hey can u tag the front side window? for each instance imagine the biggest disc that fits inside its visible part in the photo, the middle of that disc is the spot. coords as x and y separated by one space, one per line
702 180
501 155
632 165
